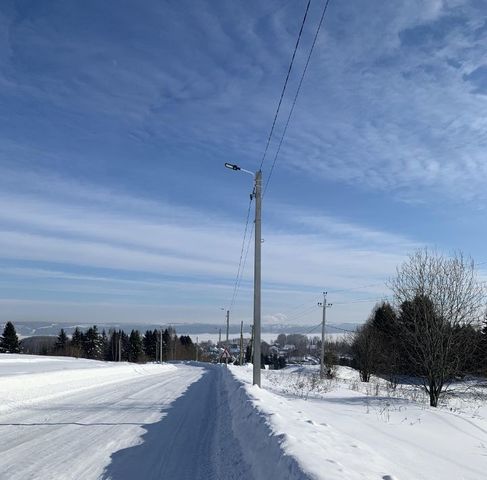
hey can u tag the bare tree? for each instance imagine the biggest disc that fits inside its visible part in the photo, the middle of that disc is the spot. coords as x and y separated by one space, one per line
438 299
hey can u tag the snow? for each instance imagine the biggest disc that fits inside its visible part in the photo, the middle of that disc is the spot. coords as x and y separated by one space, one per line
65 418
65 422
338 432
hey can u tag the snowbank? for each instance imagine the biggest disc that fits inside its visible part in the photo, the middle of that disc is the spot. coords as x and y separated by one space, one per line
261 446
286 438
345 433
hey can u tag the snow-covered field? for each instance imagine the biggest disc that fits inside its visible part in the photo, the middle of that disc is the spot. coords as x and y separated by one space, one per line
64 418
346 429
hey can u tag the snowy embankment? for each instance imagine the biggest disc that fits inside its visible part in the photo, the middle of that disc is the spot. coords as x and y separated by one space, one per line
66 418
30 379
332 430
261 444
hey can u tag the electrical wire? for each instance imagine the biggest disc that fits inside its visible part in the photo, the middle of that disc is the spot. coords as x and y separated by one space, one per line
341 329
302 314
356 288
325 8
285 85
245 258
364 300
240 269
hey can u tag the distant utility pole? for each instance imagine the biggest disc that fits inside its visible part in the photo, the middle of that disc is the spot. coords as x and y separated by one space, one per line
120 345
322 359
160 347
228 324
241 344
219 335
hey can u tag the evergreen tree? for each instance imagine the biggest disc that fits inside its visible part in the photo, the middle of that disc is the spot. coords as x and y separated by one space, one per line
92 344
167 343
60 347
248 354
135 348
105 345
112 345
125 342
150 343
77 342
9 342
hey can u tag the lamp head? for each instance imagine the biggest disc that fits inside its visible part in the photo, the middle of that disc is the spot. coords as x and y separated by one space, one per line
232 166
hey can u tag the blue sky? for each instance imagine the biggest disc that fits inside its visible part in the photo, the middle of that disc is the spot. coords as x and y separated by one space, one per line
116 118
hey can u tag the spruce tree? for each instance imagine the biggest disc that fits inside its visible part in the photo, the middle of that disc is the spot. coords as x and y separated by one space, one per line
61 343
135 351
9 342
150 343
93 344
125 342
105 344
77 342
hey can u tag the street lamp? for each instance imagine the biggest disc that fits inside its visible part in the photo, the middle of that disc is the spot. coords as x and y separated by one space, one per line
257 194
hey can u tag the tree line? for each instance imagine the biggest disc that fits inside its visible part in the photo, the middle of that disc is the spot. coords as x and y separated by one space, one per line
114 345
432 330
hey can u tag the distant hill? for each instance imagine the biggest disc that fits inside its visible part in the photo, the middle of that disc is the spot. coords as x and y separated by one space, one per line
29 329
37 345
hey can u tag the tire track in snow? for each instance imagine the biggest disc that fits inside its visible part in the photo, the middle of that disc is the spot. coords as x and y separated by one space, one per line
73 436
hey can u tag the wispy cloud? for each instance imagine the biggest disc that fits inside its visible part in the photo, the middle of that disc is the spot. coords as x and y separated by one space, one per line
114 135
172 247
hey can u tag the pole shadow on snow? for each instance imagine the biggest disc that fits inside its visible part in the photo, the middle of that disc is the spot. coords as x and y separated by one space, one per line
184 444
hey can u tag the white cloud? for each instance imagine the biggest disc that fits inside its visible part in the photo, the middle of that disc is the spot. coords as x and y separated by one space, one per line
168 247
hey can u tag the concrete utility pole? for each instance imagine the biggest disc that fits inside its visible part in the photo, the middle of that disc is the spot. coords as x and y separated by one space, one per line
241 344
228 324
322 358
251 342
257 195
219 335
257 274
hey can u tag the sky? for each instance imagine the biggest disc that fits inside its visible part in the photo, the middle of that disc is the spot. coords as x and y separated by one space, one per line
116 119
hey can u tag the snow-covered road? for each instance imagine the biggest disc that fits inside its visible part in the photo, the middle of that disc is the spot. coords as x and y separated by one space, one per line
140 423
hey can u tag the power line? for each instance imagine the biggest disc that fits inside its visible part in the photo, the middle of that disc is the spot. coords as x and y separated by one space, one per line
341 329
239 270
301 314
312 329
325 8
356 288
242 271
291 311
364 300
241 267
285 85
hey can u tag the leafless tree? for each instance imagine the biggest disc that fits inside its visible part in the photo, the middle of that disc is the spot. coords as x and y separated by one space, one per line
439 299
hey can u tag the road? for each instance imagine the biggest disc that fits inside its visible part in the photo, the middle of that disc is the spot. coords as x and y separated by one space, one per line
174 425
